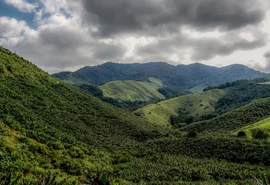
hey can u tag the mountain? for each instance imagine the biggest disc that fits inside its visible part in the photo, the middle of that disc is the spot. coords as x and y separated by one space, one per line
53 133
182 76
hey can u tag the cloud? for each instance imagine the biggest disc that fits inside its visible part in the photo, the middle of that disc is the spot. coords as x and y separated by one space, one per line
267 55
71 34
266 66
202 48
62 44
22 5
10 27
120 16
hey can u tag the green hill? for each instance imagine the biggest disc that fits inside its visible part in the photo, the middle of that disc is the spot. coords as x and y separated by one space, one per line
195 105
132 91
213 102
235 119
130 94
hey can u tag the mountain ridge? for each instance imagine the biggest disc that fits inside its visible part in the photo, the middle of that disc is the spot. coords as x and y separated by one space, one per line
181 76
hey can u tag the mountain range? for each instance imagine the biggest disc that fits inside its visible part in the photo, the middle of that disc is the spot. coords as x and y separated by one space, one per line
180 76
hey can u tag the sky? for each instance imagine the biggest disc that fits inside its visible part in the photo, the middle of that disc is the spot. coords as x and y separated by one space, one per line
65 35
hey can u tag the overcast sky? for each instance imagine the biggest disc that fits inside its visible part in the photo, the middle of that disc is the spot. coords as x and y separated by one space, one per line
60 35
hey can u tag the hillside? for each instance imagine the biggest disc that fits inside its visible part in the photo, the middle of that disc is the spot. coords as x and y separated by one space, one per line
213 102
192 105
253 112
53 133
184 77
44 110
260 125
132 91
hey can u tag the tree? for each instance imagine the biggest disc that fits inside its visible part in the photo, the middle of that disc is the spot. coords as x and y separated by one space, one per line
259 134
241 134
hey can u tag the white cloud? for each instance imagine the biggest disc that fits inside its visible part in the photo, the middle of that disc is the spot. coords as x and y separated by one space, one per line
22 5
10 27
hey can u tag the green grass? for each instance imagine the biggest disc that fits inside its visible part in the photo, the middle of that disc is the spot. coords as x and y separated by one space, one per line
195 104
265 83
263 125
133 90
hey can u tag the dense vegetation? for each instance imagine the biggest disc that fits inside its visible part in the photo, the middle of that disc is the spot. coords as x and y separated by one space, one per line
55 114
235 119
53 133
213 102
263 125
240 93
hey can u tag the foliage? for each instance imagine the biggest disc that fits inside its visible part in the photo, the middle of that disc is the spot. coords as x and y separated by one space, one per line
235 119
259 134
263 124
192 134
242 134
241 93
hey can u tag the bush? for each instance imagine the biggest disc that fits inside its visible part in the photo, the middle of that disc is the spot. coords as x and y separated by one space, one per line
259 134
241 134
192 134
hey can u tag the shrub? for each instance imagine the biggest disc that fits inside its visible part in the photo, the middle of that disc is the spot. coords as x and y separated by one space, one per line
241 134
259 134
192 134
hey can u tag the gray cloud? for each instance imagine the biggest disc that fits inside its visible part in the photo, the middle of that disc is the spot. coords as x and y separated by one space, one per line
267 58
63 37
130 16
266 67
57 48
267 55
203 48
108 52
96 31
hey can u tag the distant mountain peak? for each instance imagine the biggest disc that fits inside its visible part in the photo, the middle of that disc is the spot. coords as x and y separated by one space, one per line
181 76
